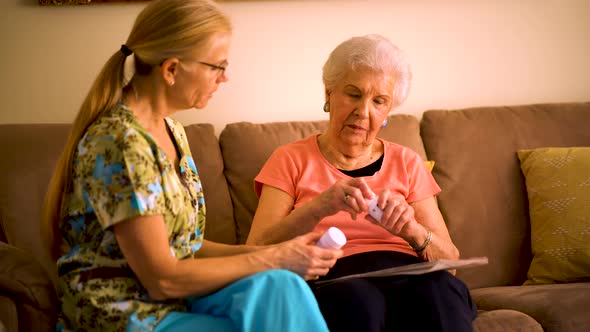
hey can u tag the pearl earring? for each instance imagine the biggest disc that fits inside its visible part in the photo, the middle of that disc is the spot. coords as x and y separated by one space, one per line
384 124
327 107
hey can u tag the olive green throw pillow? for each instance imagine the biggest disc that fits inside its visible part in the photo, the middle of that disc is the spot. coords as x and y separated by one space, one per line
429 164
558 188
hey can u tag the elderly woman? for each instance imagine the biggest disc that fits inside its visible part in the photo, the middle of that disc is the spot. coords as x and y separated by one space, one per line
325 180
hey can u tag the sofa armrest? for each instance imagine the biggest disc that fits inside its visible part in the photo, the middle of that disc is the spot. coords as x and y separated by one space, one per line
8 314
23 279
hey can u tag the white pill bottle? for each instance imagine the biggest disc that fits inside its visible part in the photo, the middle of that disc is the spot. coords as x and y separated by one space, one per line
333 238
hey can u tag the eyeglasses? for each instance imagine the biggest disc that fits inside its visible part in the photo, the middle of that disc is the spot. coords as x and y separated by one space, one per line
216 67
219 69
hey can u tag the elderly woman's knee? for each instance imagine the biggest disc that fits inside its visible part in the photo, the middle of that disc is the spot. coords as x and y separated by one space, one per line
441 283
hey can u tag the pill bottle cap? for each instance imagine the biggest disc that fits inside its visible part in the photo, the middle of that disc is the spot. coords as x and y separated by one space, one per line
333 238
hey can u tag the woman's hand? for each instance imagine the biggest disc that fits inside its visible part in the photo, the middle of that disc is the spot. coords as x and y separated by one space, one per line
398 216
413 222
300 255
346 195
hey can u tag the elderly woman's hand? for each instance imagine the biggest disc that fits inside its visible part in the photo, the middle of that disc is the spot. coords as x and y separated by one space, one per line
346 195
301 256
398 216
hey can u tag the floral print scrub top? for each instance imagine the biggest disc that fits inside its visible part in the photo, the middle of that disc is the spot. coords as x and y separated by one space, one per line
118 172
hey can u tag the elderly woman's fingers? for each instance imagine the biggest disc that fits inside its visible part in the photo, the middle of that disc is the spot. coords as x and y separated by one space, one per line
348 195
356 199
364 188
396 215
395 209
352 207
403 220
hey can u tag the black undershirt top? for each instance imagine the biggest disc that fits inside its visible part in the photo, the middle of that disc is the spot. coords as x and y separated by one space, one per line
368 170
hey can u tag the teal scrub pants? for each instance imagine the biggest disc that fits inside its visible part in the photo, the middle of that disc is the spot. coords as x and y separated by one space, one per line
275 300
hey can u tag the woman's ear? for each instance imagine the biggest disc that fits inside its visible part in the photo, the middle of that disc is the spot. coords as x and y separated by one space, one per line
327 95
169 69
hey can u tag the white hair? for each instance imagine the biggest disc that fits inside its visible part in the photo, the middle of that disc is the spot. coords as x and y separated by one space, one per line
373 52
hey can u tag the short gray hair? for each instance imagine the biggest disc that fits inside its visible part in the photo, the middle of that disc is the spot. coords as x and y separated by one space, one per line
374 52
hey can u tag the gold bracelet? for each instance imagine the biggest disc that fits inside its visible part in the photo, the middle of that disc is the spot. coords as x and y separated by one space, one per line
425 244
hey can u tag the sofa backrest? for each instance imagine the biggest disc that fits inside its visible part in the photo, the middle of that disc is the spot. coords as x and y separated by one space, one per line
246 146
28 156
220 226
29 153
484 200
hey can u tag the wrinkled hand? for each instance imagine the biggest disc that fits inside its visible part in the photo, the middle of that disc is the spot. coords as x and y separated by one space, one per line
398 216
346 195
303 257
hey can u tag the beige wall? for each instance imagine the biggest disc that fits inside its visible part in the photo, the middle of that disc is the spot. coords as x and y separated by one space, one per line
463 52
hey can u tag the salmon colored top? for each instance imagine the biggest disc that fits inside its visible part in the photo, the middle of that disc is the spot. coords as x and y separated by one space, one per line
300 170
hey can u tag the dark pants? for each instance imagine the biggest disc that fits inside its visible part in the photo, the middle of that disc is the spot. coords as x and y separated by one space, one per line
434 301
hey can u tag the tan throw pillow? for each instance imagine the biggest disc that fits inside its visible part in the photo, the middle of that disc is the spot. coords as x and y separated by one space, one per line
558 188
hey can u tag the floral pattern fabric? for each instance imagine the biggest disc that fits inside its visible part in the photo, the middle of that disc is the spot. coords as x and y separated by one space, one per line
118 172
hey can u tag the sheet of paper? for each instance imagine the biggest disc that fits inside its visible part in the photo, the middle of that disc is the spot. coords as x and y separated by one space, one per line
418 268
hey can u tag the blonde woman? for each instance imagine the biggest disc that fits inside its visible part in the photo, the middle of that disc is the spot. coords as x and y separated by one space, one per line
125 211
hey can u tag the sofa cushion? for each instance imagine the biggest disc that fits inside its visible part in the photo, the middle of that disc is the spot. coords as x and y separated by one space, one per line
246 147
220 226
29 154
504 320
8 314
558 188
29 286
557 307
483 198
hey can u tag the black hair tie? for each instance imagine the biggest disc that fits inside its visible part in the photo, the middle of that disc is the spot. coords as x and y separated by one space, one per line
125 50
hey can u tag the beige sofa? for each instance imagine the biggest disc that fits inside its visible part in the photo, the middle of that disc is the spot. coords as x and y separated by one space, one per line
484 203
